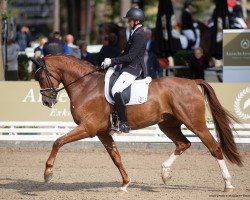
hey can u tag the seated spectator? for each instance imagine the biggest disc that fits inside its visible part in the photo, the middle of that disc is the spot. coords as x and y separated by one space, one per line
108 50
85 55
55 45
73 49
11 71
38 50
198 64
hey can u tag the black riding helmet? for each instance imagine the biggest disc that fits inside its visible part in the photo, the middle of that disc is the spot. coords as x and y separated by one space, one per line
135 14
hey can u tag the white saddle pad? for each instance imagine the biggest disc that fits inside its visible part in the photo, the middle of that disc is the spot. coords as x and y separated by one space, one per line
139 89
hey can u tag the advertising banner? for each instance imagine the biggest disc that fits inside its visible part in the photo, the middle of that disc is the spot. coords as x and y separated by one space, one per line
236 56
21 101
236 46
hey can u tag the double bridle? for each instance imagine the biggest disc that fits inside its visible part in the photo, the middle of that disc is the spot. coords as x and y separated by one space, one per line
52 90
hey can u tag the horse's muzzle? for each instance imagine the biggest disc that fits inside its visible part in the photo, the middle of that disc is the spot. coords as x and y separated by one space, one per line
49 102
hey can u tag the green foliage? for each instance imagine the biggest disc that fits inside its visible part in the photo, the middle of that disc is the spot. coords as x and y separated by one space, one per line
115 5
23 63
182 58
200 7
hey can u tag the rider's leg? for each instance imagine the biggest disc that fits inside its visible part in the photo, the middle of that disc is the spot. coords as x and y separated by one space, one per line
124 80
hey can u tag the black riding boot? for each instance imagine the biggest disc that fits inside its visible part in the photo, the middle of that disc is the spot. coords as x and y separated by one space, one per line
122 113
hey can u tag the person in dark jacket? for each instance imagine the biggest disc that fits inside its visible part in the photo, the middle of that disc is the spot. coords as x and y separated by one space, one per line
55 45
150 58
131 63
198 64
109 49
187 24
85 55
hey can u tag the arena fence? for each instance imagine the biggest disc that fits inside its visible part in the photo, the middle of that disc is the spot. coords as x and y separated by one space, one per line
50 131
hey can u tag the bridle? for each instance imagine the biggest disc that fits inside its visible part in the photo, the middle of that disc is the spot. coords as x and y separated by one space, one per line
52 90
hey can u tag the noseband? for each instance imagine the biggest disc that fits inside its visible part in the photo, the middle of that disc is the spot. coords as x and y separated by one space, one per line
53 91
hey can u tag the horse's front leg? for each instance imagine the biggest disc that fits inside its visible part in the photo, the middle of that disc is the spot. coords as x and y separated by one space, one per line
110 146
77 133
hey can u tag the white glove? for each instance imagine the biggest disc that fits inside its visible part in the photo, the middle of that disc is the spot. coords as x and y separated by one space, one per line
106 63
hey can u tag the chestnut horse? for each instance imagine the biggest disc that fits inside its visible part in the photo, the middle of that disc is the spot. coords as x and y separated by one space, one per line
171 103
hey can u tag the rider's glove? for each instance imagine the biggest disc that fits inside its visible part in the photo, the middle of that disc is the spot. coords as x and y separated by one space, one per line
106 63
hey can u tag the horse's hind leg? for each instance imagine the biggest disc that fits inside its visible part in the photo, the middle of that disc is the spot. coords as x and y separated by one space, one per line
110 146
172 130
77 133
213 146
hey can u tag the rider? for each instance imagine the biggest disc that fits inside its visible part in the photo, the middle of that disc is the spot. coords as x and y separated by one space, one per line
131 63
188 23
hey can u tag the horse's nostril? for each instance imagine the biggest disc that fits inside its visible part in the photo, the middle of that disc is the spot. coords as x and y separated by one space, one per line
46 103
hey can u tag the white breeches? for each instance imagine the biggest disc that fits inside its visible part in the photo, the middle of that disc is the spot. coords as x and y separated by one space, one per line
189 34
124 80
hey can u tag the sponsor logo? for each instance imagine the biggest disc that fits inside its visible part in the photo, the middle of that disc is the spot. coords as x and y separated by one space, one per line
242 104
245 44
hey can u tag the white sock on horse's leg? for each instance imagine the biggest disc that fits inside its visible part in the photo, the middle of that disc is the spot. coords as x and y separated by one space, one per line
170 161
165 173
226 176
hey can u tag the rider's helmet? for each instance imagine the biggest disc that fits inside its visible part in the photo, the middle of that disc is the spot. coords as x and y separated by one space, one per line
135 14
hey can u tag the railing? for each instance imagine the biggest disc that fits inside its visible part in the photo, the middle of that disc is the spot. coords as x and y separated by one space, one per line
50 131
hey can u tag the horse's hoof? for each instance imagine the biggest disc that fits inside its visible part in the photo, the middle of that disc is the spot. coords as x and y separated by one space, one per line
166 175
229 189
123 189
48 177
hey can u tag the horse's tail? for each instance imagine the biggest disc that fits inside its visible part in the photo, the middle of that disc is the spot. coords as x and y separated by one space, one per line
222 120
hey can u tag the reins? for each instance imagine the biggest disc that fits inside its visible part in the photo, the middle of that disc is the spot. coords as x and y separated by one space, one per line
54 91
91 72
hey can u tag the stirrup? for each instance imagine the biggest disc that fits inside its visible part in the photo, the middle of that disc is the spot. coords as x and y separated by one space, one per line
121 127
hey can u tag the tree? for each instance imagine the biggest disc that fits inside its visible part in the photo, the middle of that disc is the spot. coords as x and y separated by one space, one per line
1 57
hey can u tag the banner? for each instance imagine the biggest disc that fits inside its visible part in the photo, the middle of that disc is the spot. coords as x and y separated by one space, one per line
21 101
236 47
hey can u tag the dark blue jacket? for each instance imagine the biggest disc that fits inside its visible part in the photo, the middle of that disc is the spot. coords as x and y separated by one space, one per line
55 46
132 59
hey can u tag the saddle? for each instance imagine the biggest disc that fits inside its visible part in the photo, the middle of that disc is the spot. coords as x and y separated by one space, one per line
137 93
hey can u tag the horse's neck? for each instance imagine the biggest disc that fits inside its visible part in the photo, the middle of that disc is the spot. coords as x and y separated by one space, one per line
78 77
71 71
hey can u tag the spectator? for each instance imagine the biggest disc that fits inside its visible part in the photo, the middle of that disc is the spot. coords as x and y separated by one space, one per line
150 58
135 3
38 50
237 9
198 64
238 17
11 71
73 49
85 55
55 45
108 50
23 38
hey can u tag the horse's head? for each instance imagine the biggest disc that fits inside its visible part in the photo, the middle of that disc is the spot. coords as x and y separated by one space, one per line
48 80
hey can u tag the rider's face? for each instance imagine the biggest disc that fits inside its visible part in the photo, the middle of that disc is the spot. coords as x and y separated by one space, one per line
132 23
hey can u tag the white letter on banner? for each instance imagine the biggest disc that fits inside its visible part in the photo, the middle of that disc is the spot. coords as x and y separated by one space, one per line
30 96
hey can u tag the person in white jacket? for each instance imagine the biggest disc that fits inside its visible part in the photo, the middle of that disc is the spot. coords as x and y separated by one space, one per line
11 70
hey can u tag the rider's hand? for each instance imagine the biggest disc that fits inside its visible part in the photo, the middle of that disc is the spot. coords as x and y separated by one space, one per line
106 63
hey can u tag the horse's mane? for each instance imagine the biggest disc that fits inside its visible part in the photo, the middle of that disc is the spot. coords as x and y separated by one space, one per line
70 61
